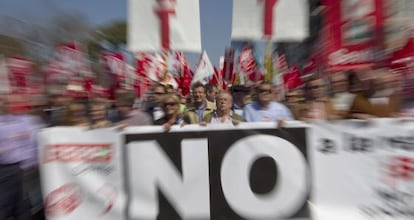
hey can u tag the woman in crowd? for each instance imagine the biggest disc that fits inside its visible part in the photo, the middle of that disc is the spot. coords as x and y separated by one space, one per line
170 104
318 106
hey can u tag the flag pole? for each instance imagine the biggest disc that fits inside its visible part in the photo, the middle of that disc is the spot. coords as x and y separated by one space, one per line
268 61
165 56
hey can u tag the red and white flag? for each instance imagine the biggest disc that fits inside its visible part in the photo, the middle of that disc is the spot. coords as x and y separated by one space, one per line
115 64
247 62
204 71
116 69
19 69
354 33
175 63
142 84
69 61
157 66
278 20
184 80
156 25
280 63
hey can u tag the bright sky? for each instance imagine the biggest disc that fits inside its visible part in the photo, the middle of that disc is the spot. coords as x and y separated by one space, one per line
215 17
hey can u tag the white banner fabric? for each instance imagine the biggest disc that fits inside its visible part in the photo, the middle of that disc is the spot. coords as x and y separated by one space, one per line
145 25
81 174
362 171
290 20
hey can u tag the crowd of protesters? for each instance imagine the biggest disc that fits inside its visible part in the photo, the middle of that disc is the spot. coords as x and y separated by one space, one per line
361 95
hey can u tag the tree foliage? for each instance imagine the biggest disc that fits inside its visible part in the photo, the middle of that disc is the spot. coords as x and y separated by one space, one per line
10 46
113 34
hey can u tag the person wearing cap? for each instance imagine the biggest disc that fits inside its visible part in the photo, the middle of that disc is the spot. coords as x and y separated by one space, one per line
241 97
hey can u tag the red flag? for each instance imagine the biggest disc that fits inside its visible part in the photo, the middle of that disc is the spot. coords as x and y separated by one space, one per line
228 66
292 78
186 78
216 78
256 75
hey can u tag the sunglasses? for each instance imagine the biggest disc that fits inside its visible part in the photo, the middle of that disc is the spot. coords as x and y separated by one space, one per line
264 90
158 93
170 103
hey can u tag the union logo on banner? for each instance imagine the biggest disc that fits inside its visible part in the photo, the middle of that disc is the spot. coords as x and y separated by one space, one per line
354 33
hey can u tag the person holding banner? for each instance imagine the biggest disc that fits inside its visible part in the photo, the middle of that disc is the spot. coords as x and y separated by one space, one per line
241 97
129 115
319 106
170 104
380 100
264 109
152 107
223 114
200 106
342 98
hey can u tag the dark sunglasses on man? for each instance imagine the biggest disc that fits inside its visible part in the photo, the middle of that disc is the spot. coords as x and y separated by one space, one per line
264 91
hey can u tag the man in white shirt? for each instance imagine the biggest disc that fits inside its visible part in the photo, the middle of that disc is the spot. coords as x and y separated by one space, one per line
223 114
264 109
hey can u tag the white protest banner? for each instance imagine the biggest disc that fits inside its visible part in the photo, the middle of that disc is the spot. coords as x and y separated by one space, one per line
81 174
363 171
278 20
155 25
253 172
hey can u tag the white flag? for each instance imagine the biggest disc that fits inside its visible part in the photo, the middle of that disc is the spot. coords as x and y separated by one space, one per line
204 71
4 76
253 19
164 24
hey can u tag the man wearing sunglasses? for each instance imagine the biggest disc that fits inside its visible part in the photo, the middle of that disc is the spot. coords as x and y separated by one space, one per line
264 109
